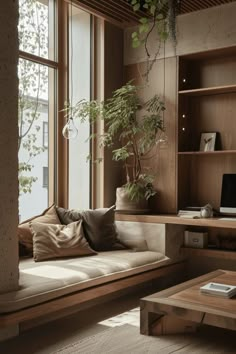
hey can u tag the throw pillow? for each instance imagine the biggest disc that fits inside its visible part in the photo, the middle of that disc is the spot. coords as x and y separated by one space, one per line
49 216
67 216
56 241
99 226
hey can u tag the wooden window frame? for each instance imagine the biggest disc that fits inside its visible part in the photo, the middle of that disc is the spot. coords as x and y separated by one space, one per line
53 64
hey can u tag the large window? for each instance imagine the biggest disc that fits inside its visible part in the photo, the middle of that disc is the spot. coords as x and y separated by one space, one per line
37 71
79 88
44 84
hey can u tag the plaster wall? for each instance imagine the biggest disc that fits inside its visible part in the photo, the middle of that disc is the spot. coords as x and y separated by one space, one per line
8 146
197 31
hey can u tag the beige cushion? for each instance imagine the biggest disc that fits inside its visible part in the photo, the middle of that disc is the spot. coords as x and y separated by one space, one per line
44 281
99 226
49 216
56 241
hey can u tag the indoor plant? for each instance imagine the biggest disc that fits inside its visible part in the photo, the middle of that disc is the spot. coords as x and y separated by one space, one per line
132 124
156 16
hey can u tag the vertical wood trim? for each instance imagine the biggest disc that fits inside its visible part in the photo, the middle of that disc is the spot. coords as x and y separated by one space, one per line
51 108
62 143
177 135
93 81
98 168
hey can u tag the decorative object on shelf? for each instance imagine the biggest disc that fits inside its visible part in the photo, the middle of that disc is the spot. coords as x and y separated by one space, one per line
138 129
158 16
195 239
206 211
208 141
70 131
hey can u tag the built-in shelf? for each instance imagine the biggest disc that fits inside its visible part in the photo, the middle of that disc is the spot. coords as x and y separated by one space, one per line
216 152
208 91
229 255
174 219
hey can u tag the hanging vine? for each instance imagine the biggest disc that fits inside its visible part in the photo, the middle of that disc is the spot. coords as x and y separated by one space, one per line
158 16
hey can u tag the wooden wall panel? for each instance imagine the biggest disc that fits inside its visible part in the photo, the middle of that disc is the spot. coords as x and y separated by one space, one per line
164 160
113 79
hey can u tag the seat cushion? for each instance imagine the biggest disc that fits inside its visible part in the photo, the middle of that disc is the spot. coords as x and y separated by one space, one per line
40 282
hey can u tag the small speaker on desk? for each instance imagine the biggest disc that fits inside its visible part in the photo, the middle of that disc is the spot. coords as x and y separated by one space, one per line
195 239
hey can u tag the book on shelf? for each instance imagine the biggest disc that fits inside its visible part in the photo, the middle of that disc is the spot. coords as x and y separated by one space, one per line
218 289
189 213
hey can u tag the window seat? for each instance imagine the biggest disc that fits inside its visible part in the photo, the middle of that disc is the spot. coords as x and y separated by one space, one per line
50 286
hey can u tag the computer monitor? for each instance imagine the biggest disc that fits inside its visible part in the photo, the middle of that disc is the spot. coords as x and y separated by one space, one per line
228 194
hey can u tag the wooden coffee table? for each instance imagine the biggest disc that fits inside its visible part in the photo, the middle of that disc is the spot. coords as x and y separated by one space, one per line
182 305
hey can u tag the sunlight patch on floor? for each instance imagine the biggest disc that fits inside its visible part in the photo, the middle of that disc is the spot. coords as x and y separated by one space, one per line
130 317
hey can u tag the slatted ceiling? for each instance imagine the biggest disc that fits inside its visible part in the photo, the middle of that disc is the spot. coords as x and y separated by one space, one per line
116 11
195 5
120 12
124 15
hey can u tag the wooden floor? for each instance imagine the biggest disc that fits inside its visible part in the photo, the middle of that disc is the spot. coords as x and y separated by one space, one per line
48 338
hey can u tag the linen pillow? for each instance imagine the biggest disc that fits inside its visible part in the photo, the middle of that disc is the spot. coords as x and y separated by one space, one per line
56 241
49 216
99 226
67 216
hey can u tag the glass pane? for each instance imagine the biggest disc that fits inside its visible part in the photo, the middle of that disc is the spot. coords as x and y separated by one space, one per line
35 81
36 27
79 148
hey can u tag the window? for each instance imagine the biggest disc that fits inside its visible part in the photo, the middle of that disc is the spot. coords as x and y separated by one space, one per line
45 134
80 87
42 93
45 177
37 71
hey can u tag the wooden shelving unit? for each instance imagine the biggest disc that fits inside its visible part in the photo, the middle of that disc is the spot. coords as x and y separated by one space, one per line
221 254
208 91
217 152
174 219
206 103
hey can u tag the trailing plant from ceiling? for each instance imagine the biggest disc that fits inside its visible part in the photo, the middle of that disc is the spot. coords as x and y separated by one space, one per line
156 16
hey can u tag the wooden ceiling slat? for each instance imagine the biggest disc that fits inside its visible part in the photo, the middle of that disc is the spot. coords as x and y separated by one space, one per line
101 9
125 7
186 7
127 15
203 4
128 8
120 12
81 4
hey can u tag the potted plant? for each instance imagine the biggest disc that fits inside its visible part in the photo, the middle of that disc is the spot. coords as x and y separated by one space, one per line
136 127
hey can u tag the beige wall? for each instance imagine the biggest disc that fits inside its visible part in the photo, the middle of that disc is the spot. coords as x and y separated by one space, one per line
197 31
8 146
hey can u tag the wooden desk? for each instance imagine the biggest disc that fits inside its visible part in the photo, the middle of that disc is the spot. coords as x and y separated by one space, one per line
188 305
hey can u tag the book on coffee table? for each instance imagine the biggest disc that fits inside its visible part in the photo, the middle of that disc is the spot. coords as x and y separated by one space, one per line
219 289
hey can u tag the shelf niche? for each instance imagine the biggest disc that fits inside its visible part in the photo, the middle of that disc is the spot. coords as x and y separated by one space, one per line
206 103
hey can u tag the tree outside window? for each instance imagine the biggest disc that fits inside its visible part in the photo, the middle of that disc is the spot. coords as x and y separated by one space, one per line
35 80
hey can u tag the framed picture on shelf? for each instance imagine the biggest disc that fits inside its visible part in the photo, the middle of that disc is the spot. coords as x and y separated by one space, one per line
208 141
